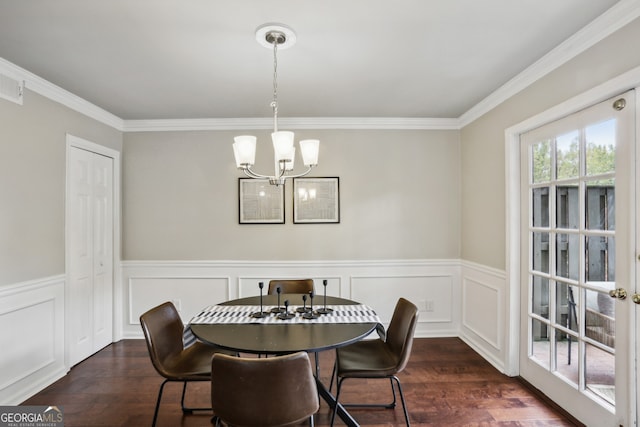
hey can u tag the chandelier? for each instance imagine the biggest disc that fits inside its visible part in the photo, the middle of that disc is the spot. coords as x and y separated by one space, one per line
244 147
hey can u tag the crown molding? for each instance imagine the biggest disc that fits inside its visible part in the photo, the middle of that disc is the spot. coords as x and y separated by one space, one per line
609 22
57 94
382 123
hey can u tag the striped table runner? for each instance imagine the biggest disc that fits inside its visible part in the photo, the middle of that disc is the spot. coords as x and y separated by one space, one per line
242 314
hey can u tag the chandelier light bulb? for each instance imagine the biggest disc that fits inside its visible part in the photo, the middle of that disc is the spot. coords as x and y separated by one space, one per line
244 149
309 149
282 144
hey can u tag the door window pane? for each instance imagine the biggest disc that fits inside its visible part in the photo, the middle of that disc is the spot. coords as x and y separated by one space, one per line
567 256
600 257
568 155
567 351
568 207
600 372
599 321
540 261
540 296
566 306
601 150
540 205
540 344
600 206
541 161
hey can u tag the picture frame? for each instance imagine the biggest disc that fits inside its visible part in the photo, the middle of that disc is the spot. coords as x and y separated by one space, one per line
260 202
316 200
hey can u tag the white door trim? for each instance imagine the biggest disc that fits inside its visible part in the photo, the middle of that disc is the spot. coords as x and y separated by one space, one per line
76 142
622 83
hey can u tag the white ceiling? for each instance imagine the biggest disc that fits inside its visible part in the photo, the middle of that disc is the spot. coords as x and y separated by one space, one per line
176 59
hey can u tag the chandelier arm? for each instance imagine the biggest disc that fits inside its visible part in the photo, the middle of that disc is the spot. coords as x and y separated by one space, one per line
282 175
281 169
300 174
251 174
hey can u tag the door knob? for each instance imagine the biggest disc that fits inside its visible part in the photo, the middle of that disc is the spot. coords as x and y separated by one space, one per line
619 293
636 298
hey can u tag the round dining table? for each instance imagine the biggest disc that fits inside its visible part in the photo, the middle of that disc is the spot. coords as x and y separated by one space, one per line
273 338
282 338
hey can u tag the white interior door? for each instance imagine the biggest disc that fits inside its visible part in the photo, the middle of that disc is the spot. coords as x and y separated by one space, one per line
90 252
577 244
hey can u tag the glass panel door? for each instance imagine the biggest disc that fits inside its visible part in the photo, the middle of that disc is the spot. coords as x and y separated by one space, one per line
573 229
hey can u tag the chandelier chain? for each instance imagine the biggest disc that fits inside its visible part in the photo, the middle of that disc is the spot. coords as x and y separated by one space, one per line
274 103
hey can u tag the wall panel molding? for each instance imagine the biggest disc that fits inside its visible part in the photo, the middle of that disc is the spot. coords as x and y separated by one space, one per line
483 312
481 300
145 292
33 356
432 284
435 293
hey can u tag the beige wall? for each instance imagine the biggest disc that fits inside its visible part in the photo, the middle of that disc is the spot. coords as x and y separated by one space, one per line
438 194
32 183
399 195
483 141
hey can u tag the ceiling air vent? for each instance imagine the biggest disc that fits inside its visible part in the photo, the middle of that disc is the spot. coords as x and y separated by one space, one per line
11 89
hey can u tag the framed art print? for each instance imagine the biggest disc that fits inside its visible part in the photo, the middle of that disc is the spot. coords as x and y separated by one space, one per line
260 202
316 200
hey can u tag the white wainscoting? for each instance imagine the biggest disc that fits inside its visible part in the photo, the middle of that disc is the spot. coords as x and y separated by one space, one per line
484 312
455 298
433 285
32 337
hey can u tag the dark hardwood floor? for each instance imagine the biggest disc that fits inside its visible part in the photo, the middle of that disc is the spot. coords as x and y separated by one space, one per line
446 384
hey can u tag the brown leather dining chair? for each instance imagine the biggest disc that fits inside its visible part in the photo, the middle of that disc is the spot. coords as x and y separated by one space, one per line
380 358
163 332
251 392
291 286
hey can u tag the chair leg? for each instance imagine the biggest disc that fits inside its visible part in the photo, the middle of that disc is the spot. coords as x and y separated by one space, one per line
311 423
189 410
361 405
333 375
393 391
404 405
335 407
155 412
317 359
375 405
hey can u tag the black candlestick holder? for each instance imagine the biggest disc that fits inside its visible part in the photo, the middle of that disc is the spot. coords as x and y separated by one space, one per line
310 314
278 309
260 314
286 315
324 310
304 308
